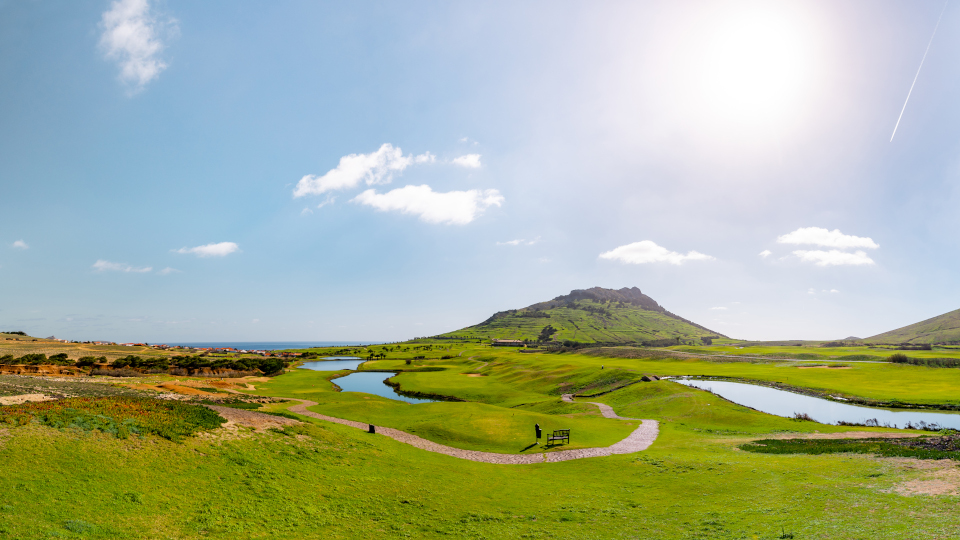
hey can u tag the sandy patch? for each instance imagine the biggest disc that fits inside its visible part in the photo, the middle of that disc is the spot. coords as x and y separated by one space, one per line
937 477
823 367
24 398
251 419
474 375
181 389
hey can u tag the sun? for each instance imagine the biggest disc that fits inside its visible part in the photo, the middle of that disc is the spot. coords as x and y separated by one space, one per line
756 66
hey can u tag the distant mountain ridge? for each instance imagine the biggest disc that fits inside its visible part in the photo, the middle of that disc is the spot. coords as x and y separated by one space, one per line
944 329
590 316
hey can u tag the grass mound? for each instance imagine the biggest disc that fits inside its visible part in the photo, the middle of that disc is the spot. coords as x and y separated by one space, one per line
118 416
947 447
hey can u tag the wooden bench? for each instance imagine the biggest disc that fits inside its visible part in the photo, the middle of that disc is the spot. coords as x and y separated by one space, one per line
559 435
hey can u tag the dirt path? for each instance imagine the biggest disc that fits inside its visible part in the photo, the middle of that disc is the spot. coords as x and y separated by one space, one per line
257 420
640 439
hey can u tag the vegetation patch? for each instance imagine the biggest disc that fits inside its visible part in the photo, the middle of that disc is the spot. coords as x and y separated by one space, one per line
944 447
118 416
900 358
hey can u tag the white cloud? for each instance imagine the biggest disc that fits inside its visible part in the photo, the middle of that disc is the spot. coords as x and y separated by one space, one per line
765 253
719 308
834 291
822 237
169 270
306 211
470 161
221 249
330 200
130 36
20 244
105 266
453 207
649 252
834 257
519 241
373 168
811 291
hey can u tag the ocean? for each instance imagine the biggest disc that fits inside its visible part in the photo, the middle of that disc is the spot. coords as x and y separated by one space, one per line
270 345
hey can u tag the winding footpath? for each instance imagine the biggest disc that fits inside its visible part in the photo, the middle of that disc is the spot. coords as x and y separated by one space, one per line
639 440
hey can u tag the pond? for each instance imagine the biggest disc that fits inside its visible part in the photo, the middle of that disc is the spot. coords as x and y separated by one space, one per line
371 382
334 363
783 403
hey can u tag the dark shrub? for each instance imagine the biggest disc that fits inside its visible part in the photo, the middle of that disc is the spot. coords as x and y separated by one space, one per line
60 359
35 359
899 358
87 361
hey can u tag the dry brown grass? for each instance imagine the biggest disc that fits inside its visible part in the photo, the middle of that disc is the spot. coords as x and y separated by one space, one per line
73 350
930 477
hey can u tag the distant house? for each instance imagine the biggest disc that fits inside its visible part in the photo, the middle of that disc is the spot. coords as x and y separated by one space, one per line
507 343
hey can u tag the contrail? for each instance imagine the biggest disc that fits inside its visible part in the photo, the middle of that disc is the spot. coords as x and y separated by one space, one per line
918 70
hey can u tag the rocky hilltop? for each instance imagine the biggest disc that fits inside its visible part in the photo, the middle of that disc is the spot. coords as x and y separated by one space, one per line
595 315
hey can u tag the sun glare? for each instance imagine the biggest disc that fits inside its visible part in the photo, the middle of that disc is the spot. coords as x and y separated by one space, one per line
756 66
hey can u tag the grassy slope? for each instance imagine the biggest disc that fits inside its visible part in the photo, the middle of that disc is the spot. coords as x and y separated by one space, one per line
473 426
528 375
337 482
940 329
624 324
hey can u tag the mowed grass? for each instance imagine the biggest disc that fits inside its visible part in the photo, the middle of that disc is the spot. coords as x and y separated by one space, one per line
330 481
469 425
874 381
816 352
516 377
325 480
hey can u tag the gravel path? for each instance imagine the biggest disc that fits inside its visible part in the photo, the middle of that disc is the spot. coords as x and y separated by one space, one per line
640 439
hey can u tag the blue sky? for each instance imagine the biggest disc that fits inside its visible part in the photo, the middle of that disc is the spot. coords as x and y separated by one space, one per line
176 171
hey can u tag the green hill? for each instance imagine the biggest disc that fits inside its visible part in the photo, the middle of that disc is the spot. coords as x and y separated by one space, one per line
590 316
940 329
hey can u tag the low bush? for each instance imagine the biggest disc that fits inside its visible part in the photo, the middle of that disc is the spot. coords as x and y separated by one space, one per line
89 361
118 416
900 358
125 372
917 447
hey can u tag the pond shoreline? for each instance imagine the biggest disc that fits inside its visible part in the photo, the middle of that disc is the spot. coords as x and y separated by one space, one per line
834 396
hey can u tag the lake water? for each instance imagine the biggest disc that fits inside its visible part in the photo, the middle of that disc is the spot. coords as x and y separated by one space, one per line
371 382
334 363
783 403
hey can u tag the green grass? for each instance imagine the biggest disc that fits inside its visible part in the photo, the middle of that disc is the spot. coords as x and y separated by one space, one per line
325 480
939 329
337 482
584 322
117 416
467 425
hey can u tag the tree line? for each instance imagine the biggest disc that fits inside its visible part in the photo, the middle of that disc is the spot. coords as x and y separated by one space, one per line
153 363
